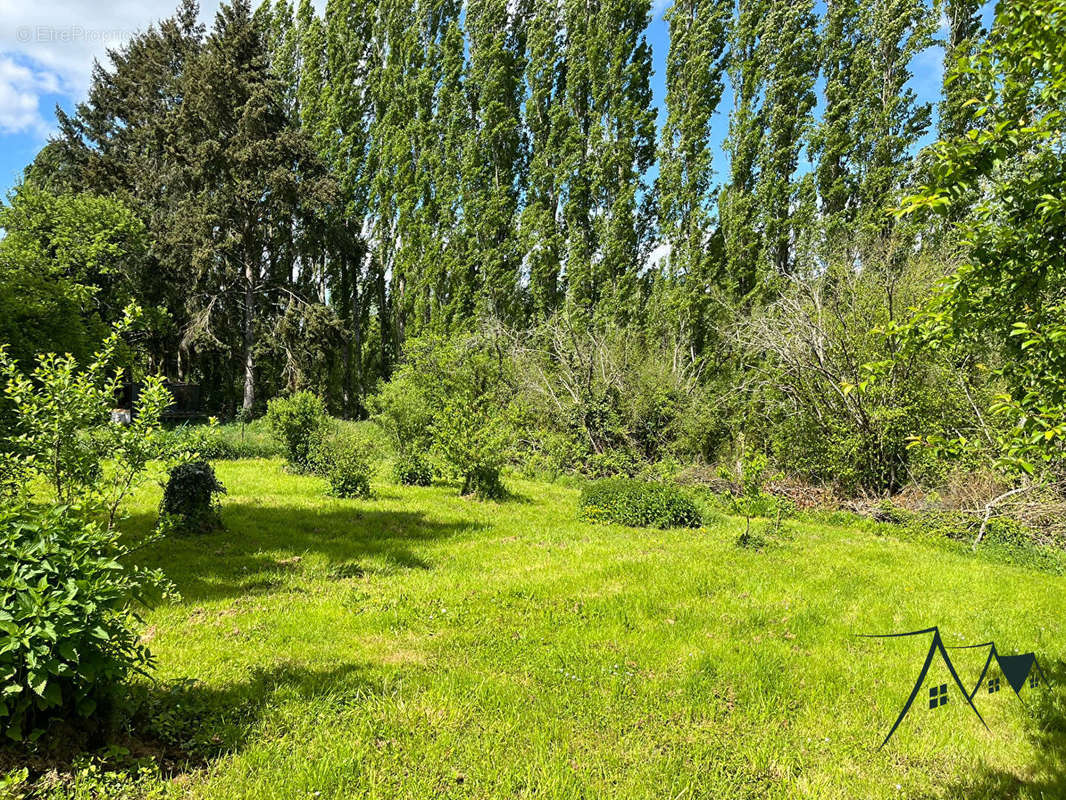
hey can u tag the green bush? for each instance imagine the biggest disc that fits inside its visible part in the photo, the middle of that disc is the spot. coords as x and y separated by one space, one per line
638 505
345 459
449 398
68 631
294 421
412 469
189 498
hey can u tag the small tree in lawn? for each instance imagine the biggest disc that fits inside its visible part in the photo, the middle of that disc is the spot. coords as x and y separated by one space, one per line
295 421
464 396
63 431
402 409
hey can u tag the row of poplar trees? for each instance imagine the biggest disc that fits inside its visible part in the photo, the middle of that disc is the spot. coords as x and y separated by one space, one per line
316 188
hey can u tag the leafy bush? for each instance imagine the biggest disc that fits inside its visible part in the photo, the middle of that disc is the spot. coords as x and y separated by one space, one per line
189 498
343 458
638 504
412 469
294 421
67 615
63 433
472 438
449 398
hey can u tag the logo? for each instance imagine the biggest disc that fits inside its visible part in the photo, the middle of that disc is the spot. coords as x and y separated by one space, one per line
1017 670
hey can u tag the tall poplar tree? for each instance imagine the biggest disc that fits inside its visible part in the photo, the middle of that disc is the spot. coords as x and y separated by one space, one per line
890 120
542 236
609 146
833 142
495 156
790 64
737 208
965 32
694 71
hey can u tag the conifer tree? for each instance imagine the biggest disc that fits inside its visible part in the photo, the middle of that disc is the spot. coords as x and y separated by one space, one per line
247 173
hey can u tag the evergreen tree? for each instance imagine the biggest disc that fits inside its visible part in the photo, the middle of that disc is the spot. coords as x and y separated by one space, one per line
248 173
125 140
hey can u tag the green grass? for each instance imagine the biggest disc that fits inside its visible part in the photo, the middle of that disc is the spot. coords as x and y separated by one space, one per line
425 645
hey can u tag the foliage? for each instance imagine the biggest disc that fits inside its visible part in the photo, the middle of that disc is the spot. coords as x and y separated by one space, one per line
638 504
189 498
345 459
1009 293
67 614
402 408
69 264
294 421
604 396
68 610
456 385
412 469
806 364
63 432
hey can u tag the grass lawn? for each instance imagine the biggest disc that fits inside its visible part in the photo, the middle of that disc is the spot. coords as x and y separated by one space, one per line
425 645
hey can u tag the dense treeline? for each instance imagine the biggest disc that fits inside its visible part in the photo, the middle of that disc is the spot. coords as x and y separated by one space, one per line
295 198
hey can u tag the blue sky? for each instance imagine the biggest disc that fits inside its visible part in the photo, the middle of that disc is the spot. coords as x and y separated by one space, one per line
47 51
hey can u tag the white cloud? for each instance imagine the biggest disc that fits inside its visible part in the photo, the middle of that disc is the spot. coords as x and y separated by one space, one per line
49 48
20 89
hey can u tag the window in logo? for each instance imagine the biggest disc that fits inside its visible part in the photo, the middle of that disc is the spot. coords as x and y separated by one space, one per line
938 696
1034 681
993 685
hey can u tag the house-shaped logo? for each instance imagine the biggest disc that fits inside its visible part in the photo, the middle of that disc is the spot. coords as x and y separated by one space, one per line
1019 671
939 694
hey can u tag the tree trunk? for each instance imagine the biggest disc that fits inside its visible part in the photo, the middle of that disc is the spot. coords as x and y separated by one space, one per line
249 336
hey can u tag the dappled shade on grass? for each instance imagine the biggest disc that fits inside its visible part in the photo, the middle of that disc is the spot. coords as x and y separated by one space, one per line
422 644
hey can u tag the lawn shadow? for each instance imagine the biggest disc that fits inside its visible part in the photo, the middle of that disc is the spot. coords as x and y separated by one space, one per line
183 725
260 546
1047 731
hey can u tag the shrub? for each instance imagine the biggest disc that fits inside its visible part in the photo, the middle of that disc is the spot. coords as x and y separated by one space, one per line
189 498
450 397
63 434
412 469
637 504
294 421
67 619
345 460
